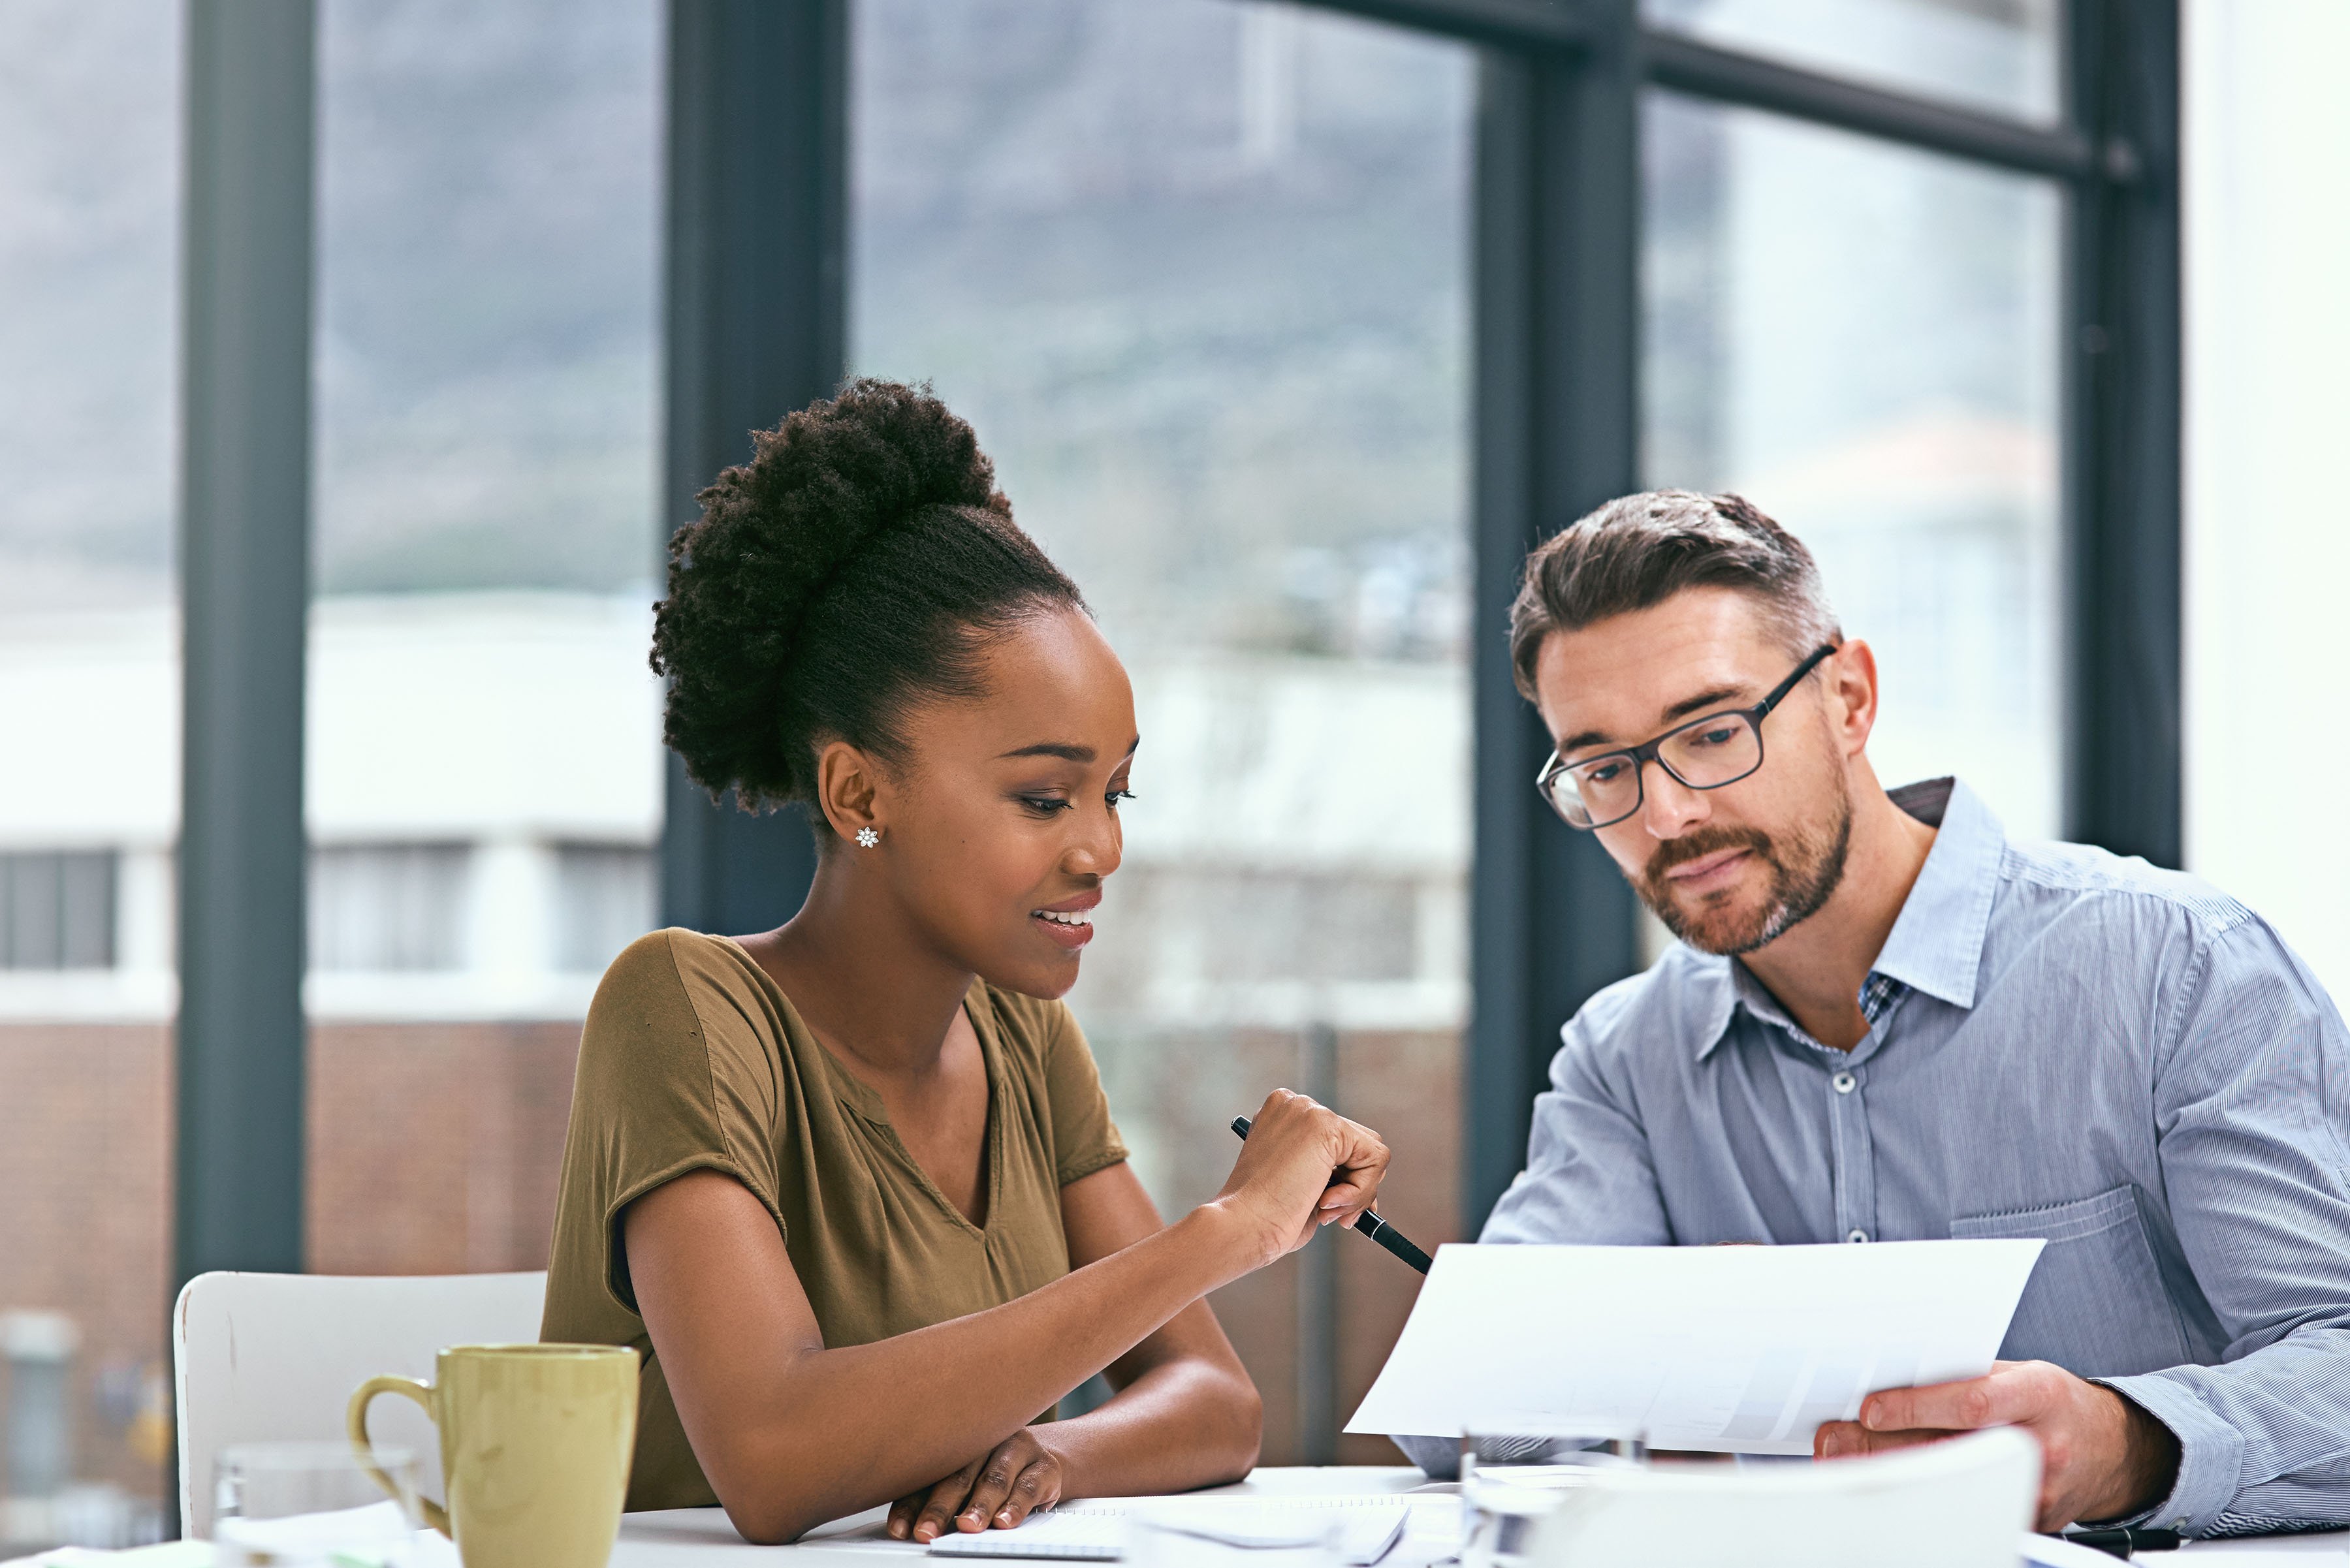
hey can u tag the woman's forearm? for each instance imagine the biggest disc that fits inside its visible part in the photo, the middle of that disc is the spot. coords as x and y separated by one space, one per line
1185 1423
822 1441
790 1433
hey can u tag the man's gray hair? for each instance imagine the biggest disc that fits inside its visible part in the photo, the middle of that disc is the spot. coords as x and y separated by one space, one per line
1639 551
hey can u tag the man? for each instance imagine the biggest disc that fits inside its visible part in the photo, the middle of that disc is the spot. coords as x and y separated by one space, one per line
1885 1021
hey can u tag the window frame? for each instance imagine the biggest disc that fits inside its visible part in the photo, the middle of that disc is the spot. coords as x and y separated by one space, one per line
755 309
1557 382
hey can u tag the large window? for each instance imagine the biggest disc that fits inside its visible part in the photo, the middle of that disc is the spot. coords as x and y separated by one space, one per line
1197 273
486 360
89 149
1862 340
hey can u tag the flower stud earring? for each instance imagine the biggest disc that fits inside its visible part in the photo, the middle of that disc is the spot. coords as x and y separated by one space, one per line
866 839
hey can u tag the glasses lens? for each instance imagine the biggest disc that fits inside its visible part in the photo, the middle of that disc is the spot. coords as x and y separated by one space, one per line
1597 792
1559 790
1716 751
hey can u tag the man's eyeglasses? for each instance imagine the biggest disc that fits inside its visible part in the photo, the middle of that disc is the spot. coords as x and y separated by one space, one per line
1704 754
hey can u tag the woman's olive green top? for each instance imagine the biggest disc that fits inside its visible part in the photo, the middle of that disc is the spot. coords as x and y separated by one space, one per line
693 1059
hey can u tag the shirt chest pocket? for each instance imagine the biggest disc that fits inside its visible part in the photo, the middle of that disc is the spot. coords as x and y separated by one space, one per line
2095 1304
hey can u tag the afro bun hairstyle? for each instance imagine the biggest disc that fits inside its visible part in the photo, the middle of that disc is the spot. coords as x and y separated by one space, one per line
861 562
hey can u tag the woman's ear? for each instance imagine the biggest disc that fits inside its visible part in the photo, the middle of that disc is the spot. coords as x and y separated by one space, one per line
851 790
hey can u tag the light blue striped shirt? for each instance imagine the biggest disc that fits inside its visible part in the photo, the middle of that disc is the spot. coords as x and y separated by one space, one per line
2062 1043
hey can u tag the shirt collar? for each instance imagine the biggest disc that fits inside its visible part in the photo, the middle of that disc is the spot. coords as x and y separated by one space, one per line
1936 943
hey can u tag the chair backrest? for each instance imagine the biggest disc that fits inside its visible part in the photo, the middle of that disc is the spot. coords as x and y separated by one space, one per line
1964 1503
260 1357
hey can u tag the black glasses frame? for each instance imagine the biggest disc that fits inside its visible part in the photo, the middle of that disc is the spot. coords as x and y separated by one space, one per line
1650 752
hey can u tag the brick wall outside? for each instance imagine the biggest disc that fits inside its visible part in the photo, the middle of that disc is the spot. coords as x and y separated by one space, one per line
434 1148
85 1213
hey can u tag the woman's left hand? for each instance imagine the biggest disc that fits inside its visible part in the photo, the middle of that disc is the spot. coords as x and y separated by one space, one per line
996 1491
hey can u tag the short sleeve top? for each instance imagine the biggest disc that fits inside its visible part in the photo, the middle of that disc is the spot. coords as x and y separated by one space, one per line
695 1059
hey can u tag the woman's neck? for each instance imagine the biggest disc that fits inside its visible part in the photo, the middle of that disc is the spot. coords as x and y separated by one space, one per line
863 977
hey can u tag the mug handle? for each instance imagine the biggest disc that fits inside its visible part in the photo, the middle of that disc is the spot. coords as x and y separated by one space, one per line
409 1388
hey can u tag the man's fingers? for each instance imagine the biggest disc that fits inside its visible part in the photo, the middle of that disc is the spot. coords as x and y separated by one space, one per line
1850 1439
987 1494
2005 1397
901 1516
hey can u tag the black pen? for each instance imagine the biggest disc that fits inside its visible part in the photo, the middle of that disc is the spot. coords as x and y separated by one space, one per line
1367 1223
2122 1541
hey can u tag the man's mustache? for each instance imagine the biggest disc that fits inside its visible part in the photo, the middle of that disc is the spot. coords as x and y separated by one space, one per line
1696 846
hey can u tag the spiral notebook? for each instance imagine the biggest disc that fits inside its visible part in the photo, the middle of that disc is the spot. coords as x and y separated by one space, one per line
1096 1531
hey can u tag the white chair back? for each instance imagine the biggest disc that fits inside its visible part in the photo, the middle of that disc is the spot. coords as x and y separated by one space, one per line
1964 1503
262 1358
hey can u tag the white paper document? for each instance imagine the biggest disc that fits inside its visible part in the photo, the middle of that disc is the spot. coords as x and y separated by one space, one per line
1734 1349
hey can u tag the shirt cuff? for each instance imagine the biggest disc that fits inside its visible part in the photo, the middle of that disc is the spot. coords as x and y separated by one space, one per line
1438 1456
2211 1453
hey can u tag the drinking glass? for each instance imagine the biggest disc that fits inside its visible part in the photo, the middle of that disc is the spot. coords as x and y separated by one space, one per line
310 1505
1510 1479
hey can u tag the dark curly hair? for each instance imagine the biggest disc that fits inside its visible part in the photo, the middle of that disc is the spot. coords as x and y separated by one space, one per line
861 561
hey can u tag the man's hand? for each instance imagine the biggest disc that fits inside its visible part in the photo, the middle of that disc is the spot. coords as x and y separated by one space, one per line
2102 1456
997 1491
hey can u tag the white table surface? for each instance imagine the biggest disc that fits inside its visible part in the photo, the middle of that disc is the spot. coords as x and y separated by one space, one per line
693 1536
688 1537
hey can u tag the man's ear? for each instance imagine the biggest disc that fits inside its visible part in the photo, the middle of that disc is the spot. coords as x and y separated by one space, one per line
850 789
1851 674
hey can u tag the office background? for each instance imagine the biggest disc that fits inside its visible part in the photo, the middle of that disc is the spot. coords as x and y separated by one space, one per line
357 357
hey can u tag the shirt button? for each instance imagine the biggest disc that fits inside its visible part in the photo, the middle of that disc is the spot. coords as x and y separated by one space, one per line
1856 1235
1845 1083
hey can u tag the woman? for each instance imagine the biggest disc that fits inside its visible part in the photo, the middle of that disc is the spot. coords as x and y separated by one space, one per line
851 1184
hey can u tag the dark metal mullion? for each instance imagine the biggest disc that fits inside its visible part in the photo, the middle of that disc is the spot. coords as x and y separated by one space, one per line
244 480
2078 374
756 326
1556 428
1505 24
1684 64
2121 343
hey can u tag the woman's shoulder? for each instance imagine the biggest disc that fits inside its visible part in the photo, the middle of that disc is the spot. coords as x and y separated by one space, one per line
675 964
680 992
684 1054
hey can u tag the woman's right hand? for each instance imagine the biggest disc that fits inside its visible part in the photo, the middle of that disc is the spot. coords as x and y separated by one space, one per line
1302 1167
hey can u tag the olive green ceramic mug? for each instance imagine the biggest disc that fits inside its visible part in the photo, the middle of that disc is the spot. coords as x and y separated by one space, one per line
535 1441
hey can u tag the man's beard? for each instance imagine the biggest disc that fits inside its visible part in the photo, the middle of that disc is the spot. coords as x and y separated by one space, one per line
1805 873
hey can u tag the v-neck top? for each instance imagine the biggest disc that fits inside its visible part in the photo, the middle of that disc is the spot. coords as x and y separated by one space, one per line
693 1059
